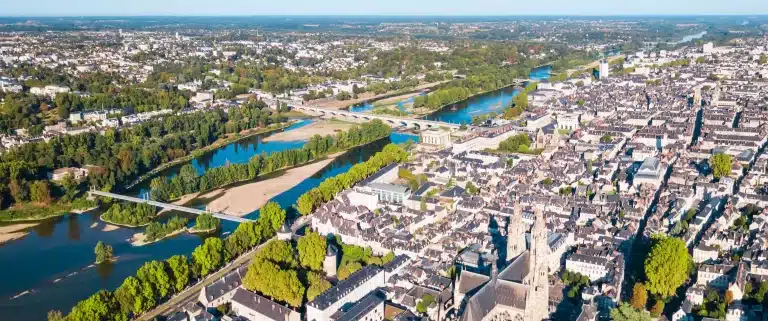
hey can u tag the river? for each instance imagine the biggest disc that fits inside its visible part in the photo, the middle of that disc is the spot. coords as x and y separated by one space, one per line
463 111
692 37
51 268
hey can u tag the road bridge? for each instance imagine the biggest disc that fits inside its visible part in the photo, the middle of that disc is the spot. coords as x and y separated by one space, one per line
169 206
391 120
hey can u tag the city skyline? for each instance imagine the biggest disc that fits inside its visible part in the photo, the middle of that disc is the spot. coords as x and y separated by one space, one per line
395 7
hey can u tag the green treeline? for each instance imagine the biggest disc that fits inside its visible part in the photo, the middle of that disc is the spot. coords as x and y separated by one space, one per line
156 230
442 97
331 186
119 156
156 281
206 222
519 103
130 214
189 181
479 80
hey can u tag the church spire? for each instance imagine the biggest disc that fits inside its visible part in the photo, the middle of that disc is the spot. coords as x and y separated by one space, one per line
537 307
515 233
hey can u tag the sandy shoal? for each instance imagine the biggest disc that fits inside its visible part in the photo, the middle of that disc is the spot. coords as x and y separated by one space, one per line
243 200
333 103
109 227
393 100
13 232
140 239
321 128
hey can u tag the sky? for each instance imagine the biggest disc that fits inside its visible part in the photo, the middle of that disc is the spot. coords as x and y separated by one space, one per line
378 7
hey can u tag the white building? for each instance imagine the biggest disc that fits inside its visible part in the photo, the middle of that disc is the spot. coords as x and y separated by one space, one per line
604 69
714 275
708 48
436 137
254 307
595 268
651 172
350 290
569 122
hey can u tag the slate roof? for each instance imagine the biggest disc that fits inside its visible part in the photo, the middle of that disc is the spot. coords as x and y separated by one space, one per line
262 305
341 289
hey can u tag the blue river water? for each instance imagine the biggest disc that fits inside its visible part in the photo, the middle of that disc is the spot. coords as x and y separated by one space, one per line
51 267
463 111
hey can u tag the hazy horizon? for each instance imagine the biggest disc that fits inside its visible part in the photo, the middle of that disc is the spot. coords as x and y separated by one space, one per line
96 8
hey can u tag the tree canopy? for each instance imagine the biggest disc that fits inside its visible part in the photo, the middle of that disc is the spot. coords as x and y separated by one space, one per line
312 251
626 312
639 296
667 265
103 252
209 256
721 165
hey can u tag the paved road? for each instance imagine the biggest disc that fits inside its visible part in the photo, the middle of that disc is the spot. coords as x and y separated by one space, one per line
191 293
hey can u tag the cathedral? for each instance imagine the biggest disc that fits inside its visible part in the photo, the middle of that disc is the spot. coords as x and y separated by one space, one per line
520 292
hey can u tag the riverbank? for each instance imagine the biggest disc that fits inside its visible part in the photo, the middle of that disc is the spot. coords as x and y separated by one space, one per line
33 212
193 230
245 199
332 103
429 112
394 100
14 232
321 128
202 151
140 239
101 217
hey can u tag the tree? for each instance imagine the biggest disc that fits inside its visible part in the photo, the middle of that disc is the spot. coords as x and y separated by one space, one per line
515 143
312 251
55 315
639 296
40 192
209 255
273 214
424 303
280 252
472 189
657 309
206 222
606 139
305 204
103 252
135 296
266 277
317 285
763 59
343 95
155 274
721 165
728 297
180 271
667 265
347 270
101 306
626 312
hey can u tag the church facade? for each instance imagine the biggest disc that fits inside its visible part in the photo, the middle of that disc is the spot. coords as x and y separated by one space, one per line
520 292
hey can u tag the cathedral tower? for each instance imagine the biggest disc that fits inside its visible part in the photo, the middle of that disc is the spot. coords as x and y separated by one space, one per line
515 234
537 307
